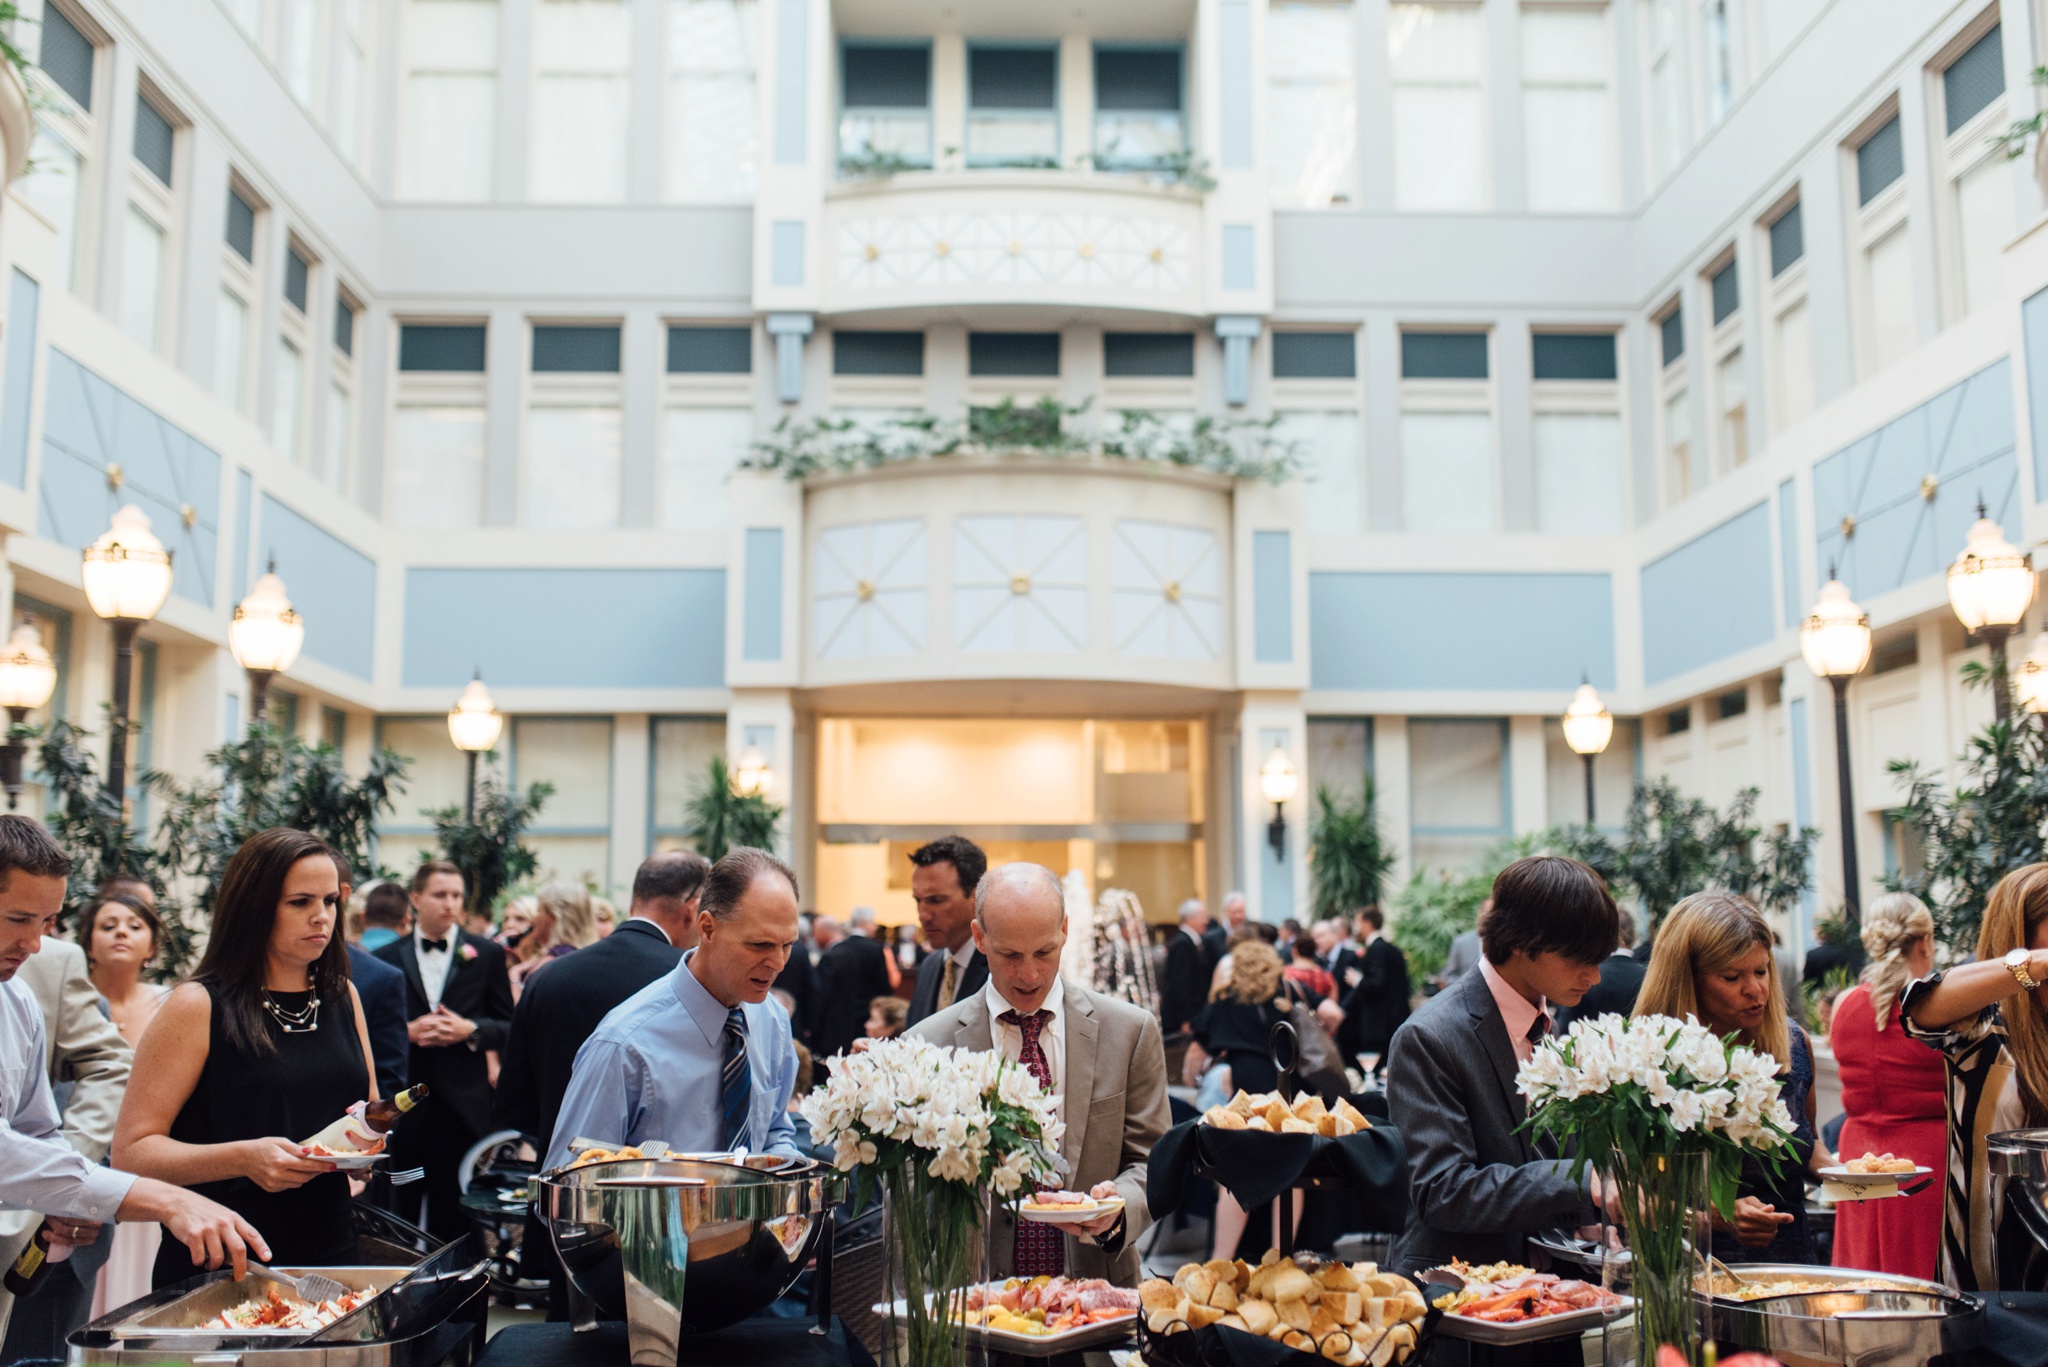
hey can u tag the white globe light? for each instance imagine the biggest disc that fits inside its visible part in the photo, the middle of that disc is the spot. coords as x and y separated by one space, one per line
1835 637
2030 678
27 673
1277 779
475 724
266 633
754 777
1992 581
127 572
1588 725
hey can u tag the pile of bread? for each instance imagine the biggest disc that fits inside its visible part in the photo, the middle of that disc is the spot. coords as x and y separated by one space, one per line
1268 1111
1351 1314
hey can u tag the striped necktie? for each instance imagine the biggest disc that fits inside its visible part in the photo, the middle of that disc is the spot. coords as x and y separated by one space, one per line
735 1086
946 982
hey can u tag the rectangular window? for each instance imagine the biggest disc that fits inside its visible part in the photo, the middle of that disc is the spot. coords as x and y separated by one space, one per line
1139 117
1573 356
575 350
1315 355
1447 472
1437 54
571 840
1724 293
437 466
1731 397
296 270
345 104
1149 354
1569 132
1979 212
1984 224
1788 240
50 187
1671 335
1457 791
447 138
1678 721
1311 103
298 24
700 447
1443 356
1880 161
1013 105
581 98
284 415
1890 269
878 353
1678 463
1793 350
1578 473
340 434
1718 60
230 348
1013 353
344 325
885 118
1670 133
682 748
155 140
1974 80
441 346
1729 706
573 458
241 233
713 141
142 277
710 351
1328 444
67 56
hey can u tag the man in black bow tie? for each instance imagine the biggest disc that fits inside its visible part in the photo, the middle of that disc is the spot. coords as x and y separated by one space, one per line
458 1006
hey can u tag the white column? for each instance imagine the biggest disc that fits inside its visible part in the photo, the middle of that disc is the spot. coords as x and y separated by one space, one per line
630 791
764 719
1390 791
1528 779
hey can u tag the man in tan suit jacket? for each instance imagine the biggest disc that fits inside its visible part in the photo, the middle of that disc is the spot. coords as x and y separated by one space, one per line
88 1053
1108 1067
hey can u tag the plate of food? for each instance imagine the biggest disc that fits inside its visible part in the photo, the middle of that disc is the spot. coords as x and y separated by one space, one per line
1351 1314
1873 1168
273 1311
347 1160
1509 1303
1047 1316
1068 1207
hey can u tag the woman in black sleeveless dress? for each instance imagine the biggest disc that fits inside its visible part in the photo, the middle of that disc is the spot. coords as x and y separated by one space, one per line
260 1050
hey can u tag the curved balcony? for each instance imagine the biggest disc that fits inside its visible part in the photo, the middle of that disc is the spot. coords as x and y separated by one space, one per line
1034 238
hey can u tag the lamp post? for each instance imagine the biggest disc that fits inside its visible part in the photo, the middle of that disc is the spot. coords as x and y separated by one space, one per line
27 678
474 725
755 776
1277 781
1588 726
2030 680
1835 639
265 637
1989 586
127 576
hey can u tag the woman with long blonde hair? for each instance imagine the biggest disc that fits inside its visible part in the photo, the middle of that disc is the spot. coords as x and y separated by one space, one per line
562 924
1714 962
1893 1091
1990 1022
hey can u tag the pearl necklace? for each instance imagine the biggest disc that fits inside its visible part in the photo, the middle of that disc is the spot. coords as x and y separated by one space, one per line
302 1021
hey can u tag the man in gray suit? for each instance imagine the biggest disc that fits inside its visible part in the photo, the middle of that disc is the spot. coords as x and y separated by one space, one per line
1104 1060
1477 1186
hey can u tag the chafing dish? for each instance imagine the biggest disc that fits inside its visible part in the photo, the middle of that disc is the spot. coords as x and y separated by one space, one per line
2021 1158
682 1245
1845 1328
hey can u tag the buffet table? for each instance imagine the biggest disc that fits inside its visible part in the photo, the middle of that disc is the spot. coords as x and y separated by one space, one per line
750 1343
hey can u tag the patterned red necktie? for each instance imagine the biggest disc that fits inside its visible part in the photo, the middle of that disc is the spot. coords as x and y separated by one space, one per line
1041 1250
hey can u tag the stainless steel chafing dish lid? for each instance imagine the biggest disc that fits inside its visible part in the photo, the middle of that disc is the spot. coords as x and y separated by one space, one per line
1804 1272
1853 1328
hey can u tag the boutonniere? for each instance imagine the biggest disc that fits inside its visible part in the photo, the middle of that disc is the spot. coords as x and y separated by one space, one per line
466 953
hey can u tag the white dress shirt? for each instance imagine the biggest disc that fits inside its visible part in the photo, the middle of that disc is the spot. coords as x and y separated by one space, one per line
39 1171
434 963
1052 1040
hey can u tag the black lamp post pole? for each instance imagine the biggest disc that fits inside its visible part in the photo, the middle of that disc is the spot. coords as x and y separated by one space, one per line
1589 758
117 731
1850 911
259 695
469 792
2001 682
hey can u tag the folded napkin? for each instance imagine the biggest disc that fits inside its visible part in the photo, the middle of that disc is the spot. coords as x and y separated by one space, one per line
1255 1167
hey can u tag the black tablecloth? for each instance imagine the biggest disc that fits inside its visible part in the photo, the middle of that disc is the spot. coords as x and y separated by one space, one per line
751 1343
1256 1167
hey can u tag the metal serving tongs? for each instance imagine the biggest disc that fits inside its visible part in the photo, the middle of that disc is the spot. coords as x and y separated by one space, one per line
1715 1265
312 1288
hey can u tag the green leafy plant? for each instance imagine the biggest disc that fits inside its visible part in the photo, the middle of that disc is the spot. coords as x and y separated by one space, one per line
1348 853
2013 140
870 164
1009 425
1436 907
486 846
102 843
720 816
1817 1000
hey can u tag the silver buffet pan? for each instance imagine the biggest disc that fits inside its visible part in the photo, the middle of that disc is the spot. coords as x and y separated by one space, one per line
1846 1328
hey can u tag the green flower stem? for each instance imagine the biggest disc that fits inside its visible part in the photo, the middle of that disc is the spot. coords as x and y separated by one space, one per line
934 1250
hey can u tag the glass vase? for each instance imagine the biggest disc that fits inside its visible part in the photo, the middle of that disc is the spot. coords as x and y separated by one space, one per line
1664 1200
933 1234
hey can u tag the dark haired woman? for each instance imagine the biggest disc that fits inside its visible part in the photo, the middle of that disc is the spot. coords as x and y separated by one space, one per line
263 1047
121 935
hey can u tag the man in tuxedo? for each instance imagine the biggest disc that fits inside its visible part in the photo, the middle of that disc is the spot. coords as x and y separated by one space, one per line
562 1007
1377 1004
852 972
458 1006
1621 978
943 876
1186 985
1216 940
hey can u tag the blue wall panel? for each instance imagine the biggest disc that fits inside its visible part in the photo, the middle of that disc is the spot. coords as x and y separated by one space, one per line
1272 598
18 378
89 425
1895 534
762 628
1794 585
333 585
1401 631
792 79
245 528
1709 598
2034 328
557 628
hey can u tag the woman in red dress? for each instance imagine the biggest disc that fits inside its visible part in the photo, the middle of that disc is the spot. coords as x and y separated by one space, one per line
1893 1089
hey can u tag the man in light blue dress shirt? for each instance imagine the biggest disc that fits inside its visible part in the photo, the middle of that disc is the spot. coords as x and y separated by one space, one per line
703 1058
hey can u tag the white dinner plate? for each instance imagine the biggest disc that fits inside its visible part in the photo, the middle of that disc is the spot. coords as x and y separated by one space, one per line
1073 1215
351 1162
1838 1173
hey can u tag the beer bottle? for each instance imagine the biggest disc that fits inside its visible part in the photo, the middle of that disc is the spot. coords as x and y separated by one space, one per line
361 1129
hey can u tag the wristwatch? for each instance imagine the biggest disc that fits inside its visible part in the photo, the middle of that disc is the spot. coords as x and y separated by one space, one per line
2016 962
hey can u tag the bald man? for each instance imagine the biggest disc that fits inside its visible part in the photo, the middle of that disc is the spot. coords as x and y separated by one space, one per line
1101 1056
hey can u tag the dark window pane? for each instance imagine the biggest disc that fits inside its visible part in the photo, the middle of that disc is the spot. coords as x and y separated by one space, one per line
1974 79
1314 356
1574 356
582 350
153 139
1675 722
67 56
1879 161
1788 240
1012 77
1727 298
1137 78
1148 353
1443 356
710 351
344 326
295 269
892 76
1013 353
441 346
241 225
1673 330
1732 704
878 353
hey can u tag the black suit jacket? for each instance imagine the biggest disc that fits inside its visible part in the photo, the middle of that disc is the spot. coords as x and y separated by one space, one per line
457 1077
924 998
798 979
1185 989
382 989
850 975
1375 1008
1216 943
560 1008
1621 978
